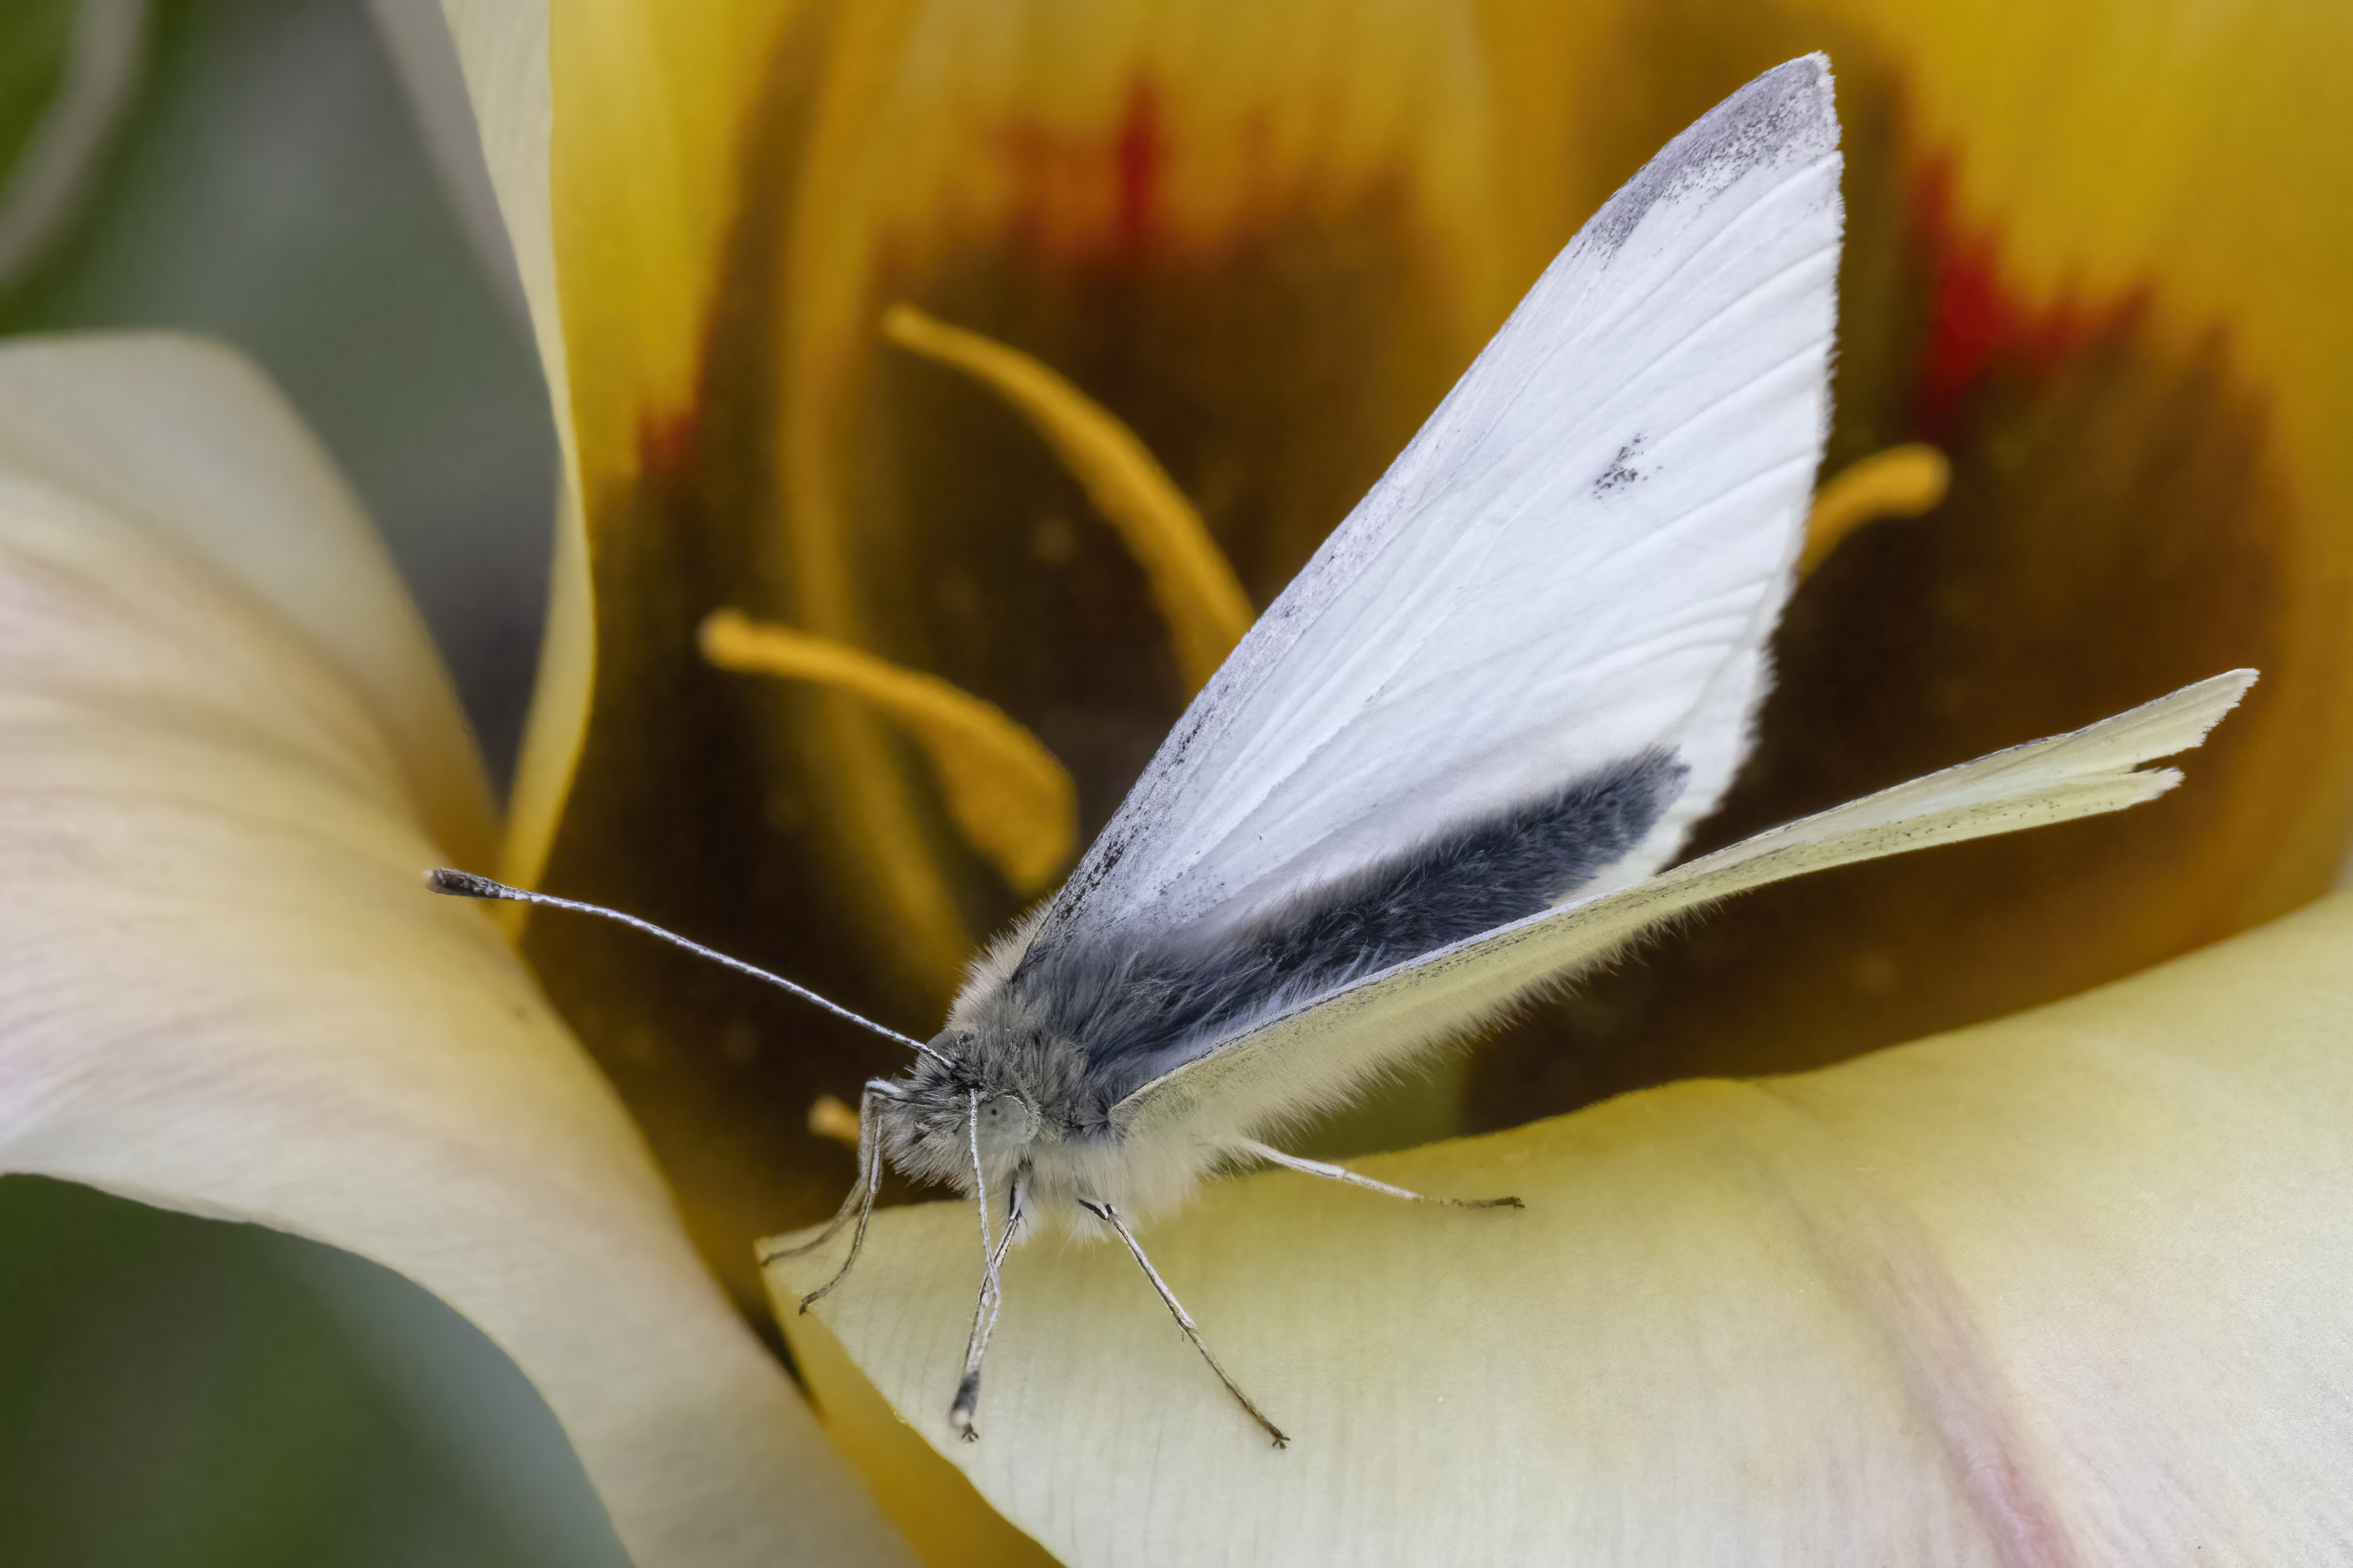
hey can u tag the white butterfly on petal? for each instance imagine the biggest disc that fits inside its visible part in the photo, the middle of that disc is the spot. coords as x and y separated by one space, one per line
1443 771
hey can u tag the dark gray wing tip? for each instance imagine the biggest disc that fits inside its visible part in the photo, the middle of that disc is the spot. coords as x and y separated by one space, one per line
1786 115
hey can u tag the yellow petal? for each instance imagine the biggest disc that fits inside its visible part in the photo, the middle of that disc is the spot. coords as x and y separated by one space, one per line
2065 1288
223 989
726 179
1012 799
503 47
1205 607
645 202
424 55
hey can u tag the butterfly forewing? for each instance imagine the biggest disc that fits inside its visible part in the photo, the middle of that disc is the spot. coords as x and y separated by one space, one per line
1577 561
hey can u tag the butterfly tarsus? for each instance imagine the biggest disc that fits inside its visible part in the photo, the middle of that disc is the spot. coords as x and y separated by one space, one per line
967 1399
1257 1151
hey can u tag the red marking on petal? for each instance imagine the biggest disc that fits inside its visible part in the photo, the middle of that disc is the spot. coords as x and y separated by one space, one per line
1092 192
1979 319
1142 159
666 443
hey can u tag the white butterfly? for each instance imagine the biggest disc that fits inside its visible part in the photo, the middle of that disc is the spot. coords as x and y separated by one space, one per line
1443 769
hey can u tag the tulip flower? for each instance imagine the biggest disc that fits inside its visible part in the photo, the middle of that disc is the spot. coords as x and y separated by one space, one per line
2057 1283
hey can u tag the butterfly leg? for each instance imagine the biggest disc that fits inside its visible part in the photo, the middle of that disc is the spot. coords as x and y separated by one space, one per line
984 1319
984 1311
1110 1216
1342 1173
860 1203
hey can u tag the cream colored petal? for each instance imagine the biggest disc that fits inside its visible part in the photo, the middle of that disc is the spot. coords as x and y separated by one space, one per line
223 989
2068 1289
503 49
416 36
502 46
190 442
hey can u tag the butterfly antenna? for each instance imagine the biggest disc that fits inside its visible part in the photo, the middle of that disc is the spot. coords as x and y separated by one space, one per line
466 885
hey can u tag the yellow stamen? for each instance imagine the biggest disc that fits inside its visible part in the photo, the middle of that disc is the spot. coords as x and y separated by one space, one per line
1007 793
830 1118
1196 589
1902 481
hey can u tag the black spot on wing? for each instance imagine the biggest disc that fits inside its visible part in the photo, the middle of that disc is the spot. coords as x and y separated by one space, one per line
1132 1010
1622 470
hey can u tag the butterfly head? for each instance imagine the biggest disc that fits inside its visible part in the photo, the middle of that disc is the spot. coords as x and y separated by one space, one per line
966 1097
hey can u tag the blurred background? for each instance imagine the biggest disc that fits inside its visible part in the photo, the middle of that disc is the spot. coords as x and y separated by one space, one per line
174 1391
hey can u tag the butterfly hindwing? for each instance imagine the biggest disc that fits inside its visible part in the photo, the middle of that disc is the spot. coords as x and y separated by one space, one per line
1325 1044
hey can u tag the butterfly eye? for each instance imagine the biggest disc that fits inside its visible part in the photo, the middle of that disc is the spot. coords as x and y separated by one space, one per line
1008 1118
